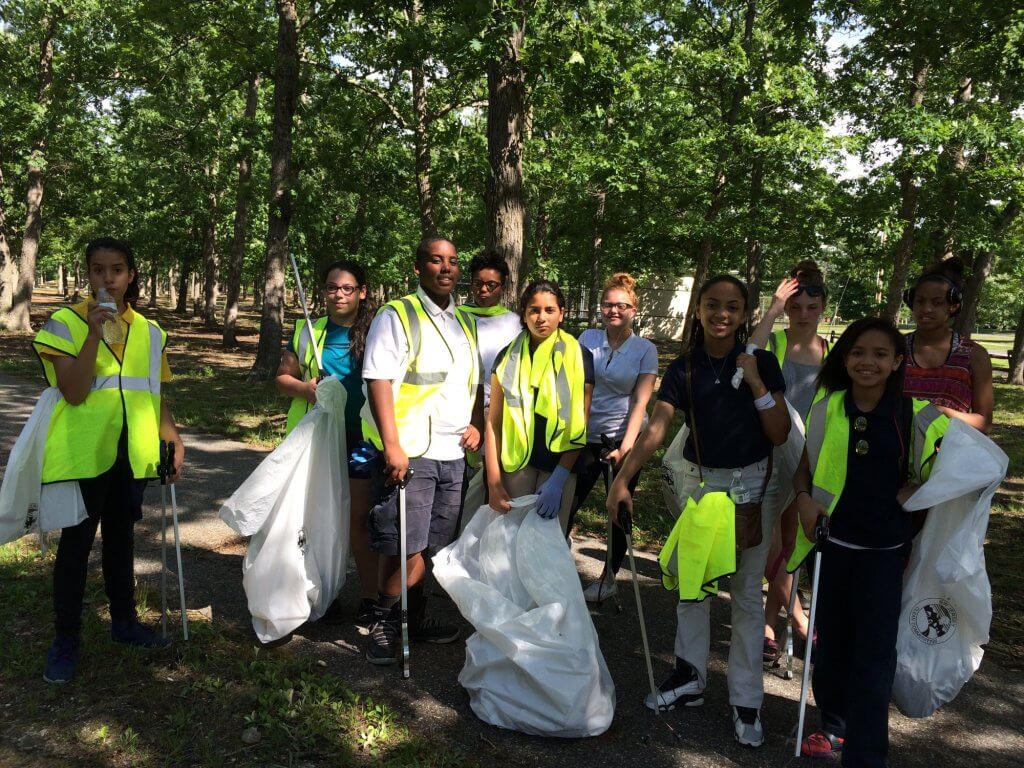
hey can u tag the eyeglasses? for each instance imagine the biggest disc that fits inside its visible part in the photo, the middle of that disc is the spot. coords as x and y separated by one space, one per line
345 290
490 285
621 306
814 291
860 424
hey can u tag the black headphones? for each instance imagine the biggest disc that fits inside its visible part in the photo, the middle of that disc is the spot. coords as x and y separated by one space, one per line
954 296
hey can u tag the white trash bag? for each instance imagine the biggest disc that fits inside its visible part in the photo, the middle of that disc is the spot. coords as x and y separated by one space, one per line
295 506
534 664
26 505
947 600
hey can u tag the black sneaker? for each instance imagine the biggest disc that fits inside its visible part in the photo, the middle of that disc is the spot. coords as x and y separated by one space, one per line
131 632
682 688
366 615
430 630
385 636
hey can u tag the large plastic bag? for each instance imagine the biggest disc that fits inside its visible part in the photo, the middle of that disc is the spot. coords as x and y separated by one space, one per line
947 600
25 503
295 506
533 664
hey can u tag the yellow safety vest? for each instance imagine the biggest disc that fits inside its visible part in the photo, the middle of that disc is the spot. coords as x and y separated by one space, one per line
701 547
828 441
430 359
555 373
308 369
778 343
82 439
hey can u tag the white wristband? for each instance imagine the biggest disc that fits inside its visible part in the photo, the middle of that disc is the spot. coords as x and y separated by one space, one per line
765 402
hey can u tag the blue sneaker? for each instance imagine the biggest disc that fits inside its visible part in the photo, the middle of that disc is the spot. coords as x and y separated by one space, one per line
131 632
61 659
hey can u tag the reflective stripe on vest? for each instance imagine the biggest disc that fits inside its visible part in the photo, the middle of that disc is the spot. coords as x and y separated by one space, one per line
430 359
701 547
828 443
308 369
555 371
82 439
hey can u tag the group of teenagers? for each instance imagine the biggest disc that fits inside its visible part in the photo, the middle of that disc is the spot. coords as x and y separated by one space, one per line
439 391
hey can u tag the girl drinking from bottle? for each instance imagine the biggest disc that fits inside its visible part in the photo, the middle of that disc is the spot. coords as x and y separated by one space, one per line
340 337
952 372
108 362
800 352
625 367
867 449
540 395
732 433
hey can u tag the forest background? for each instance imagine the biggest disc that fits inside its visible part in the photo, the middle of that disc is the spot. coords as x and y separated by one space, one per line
576 138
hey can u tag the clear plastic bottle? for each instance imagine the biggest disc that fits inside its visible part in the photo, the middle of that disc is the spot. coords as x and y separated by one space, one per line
737 490
112 331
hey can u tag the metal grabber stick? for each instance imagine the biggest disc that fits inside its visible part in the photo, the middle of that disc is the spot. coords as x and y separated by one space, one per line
608 446
821 536
305 312
793 597
169 469
403 554
161 471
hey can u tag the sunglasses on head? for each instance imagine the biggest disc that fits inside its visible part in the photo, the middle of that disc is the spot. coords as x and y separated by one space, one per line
814 291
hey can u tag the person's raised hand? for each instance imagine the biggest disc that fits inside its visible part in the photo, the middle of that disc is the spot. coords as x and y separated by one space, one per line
97 316
783 293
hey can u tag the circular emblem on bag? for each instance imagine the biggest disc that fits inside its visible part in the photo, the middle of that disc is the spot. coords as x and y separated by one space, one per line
933 620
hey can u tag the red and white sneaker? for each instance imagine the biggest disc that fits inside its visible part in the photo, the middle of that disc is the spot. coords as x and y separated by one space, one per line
821 746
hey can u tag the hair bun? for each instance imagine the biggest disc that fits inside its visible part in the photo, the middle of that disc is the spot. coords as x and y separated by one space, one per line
622 281
953 266
809 270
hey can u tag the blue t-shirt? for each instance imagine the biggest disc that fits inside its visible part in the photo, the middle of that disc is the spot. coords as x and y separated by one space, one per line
338 361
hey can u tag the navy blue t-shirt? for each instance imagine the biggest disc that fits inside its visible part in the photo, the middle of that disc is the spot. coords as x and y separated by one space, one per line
542 458
867 513
727 421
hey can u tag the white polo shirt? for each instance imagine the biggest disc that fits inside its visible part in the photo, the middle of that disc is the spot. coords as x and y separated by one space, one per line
494 333
615 375
387 357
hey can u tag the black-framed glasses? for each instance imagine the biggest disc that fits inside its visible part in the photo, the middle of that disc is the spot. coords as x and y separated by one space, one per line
490 285
814 291
345 290
621 306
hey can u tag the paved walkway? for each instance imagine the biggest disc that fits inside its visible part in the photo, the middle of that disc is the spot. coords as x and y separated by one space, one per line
983 727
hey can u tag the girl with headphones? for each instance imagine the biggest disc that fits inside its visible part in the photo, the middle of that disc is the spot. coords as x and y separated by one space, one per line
951 371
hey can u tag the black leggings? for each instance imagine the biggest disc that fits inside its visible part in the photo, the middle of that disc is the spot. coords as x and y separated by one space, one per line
114 501
588 468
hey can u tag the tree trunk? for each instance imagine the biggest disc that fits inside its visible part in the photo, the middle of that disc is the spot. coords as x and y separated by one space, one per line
8 266
210 252
286 86
909 195
754 250
184 286
172 288
241 231
953 162
594 308
726 150
1015 373
153 279
62 279
506 119
421 131
981 266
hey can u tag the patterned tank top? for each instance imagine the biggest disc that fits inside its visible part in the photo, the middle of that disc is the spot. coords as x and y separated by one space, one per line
951 385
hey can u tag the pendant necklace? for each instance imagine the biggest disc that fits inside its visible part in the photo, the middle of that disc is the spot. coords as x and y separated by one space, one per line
718 373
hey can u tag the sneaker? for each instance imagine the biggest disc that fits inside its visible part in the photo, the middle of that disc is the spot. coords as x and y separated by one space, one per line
746 723
385 636
365 614
131 632
822 745
682 687
770 651
61 660
600 590
430 630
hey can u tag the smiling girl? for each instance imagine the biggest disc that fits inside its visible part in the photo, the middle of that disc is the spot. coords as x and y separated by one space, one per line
105 435
540 397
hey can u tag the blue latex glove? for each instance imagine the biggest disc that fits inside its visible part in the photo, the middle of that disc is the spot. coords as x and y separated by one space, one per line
549 495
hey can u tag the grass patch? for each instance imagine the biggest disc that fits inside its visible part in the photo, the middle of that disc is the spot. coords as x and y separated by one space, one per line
188 705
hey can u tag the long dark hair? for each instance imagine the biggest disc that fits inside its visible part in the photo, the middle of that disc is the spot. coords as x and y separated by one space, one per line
539 286
131 293
367 306
696 336
833 376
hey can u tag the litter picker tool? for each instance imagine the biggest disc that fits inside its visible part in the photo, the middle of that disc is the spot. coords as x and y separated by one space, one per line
821 536
164 472
403 553
305 312
608 445
794 593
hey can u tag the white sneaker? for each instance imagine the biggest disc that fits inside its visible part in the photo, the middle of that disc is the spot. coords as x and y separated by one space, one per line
746 723
681 688
600 590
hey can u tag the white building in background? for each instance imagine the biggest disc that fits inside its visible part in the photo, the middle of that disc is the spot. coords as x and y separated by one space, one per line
663 305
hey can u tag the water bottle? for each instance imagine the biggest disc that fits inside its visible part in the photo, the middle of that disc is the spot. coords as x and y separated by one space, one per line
737 490
112 331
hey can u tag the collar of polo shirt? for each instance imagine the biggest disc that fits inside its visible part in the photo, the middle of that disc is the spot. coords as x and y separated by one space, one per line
432 308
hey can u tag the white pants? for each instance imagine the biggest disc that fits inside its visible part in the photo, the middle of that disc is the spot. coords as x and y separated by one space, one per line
527 480
693 627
